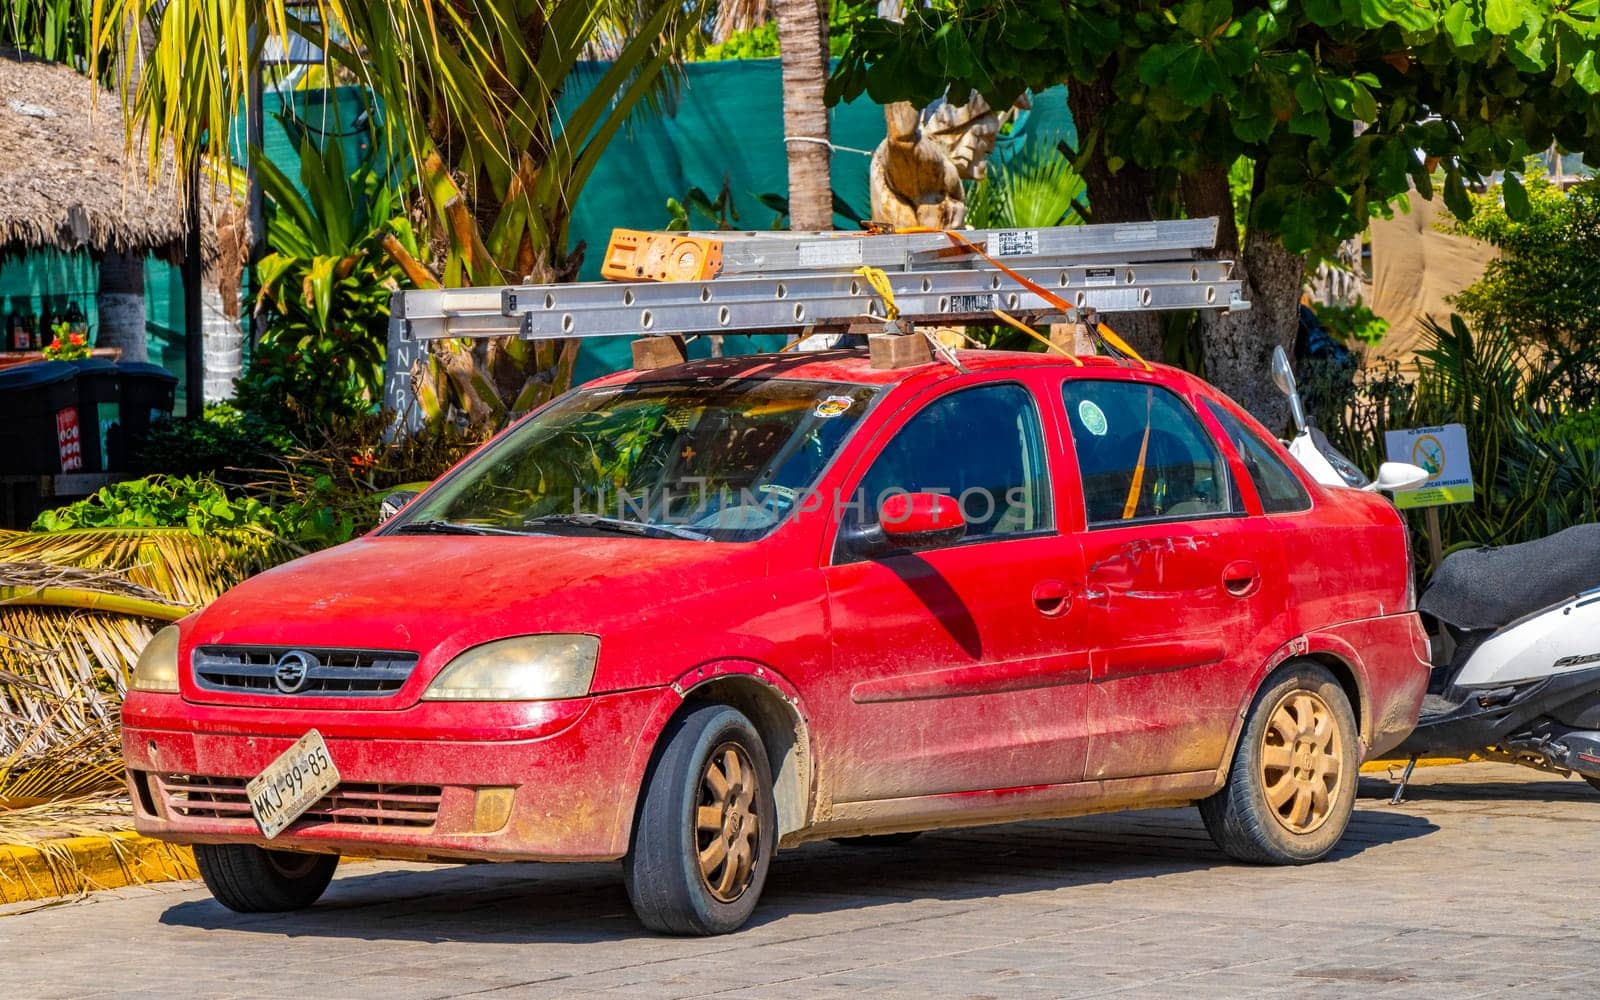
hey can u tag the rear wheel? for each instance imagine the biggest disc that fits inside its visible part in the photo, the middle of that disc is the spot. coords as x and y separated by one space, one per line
1292 785
1593 781
706 827
250 879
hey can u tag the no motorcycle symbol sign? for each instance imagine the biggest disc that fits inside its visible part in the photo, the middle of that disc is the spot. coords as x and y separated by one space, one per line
1442 451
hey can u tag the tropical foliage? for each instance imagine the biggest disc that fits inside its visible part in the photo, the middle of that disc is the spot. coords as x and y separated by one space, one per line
1529 425
1035 187
1354 324
471 92
1329 102
1541 288
199 504
324 288
56 30
761 42
76 607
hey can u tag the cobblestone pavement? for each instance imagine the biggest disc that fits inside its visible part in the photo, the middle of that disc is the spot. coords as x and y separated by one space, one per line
1482 884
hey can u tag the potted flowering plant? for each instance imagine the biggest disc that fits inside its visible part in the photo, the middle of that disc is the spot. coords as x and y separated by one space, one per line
66 345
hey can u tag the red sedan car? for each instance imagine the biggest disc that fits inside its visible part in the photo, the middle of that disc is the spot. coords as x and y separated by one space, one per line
684 617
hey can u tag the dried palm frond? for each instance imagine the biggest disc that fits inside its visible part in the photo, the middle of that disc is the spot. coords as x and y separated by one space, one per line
89 815
174 562
76 609
43 584
88 759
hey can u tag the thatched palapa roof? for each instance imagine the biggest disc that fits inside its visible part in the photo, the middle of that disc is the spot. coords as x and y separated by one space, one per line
66 179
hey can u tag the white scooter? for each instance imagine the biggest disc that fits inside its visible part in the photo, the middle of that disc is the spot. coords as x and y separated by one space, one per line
1514 630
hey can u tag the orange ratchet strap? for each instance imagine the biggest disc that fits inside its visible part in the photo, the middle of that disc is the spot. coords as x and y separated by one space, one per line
1012 321
1116 342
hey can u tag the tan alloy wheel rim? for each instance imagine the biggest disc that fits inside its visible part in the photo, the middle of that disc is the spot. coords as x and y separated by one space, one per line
1302 761
727 829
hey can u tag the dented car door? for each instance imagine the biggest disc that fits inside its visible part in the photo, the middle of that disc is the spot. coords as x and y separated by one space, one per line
962 667
1177 581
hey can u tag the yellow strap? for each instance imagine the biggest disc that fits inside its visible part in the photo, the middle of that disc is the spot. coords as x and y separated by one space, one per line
1012 321
880 284
1121 345
1138 469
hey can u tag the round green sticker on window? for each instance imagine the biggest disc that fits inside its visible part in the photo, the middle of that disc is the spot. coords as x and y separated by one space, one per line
1093 418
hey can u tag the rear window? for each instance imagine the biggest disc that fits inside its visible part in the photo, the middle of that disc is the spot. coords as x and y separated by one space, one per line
1276 484
1142 454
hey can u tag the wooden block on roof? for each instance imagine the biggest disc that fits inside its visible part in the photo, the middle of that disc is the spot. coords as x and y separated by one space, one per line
890 350
657 352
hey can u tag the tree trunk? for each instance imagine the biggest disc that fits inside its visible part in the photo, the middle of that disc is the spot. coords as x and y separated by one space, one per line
223 341
120 304
803 47
1128 195
1238 345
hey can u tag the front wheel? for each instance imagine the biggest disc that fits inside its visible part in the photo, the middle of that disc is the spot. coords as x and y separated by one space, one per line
706 827
1292 785
250 879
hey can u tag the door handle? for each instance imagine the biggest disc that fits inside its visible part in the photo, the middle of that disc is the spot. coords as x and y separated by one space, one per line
1241 578
1051 598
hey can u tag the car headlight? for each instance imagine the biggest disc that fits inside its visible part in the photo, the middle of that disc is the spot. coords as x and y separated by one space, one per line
157 669
526 668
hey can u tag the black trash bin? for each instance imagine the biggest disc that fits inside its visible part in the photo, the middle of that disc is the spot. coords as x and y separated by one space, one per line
100 415
149 393
40 430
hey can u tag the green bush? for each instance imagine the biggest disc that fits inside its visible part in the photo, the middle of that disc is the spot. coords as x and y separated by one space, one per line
1530 432
761 42
325 288
226 438
1354 325
1541 289
197 502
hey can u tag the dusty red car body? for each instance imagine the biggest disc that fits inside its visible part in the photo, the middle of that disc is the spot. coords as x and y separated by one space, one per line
1034 677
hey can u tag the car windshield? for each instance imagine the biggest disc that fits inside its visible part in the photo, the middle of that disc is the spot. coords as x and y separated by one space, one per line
723 461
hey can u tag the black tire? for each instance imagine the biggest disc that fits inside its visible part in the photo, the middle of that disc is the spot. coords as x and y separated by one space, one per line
250 879
1242 819
1593 781
663 869
879 839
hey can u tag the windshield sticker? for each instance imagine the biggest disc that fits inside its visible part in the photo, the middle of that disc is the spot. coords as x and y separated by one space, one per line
833 406
1093 418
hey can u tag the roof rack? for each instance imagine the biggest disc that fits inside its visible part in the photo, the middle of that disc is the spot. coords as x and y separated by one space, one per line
665 285
776 282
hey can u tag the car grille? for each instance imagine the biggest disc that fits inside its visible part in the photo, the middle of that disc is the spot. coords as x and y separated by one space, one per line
203 797
340 672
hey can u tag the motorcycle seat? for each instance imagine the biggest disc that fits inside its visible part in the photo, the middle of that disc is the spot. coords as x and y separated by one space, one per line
1491 587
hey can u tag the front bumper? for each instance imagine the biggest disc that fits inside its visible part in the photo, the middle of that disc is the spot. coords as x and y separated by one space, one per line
531 781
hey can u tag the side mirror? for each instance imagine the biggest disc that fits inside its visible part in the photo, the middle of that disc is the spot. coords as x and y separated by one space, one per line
921 520
391 504
1283 378
908 522
1393 476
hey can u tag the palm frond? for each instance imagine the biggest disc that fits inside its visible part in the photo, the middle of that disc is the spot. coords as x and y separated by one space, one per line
175 563
76 609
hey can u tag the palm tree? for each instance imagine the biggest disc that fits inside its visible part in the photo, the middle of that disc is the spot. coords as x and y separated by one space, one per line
803 47
471 89
121 305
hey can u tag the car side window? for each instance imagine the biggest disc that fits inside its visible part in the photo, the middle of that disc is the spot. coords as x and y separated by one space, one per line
1142 453
984 446
1280 490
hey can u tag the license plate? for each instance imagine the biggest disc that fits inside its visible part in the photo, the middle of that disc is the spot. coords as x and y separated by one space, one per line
291 784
